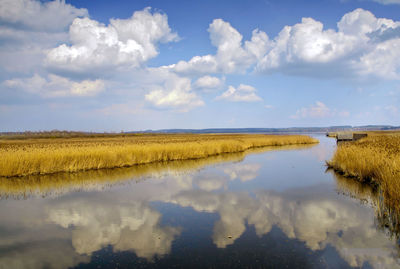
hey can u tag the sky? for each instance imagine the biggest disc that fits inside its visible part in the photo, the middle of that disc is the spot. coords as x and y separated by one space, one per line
137 65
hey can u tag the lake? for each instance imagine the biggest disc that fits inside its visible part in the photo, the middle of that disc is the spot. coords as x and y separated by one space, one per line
272 208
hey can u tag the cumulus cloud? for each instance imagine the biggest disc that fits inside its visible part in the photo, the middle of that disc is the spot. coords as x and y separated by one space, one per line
243 93
307 48
172 92
95 46
232 55
208 82
360 47
53 15
382 61
29 28
56 86
319 110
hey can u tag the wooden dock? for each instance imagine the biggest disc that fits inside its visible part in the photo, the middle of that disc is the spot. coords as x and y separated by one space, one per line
347 136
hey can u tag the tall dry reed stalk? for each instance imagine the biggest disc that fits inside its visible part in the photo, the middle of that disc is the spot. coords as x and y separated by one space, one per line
61 183
375 159
45 156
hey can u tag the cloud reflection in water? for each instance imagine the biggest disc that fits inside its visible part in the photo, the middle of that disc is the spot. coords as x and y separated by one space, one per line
123 217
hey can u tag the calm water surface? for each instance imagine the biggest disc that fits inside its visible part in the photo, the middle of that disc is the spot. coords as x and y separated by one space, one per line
269 209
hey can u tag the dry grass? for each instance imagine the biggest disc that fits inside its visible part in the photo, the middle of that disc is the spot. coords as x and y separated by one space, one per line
21 157
374 159
61 183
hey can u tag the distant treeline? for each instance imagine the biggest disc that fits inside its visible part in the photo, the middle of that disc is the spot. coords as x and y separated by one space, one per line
60 134
281 130
74 134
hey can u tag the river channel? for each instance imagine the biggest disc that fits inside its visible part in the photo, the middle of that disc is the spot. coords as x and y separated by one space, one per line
271 208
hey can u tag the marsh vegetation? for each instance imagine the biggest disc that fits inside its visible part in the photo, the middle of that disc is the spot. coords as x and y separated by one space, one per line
99 179
375 160
28 156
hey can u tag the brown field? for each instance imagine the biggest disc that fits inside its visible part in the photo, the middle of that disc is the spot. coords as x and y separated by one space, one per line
27 156
374 159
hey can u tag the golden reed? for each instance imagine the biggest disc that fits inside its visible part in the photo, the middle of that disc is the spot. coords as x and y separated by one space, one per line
61 183
21 157
374 159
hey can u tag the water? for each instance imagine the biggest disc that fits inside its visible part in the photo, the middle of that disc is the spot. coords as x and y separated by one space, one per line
276 209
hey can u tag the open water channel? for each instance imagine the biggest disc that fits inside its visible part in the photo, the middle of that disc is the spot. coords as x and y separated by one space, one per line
268 209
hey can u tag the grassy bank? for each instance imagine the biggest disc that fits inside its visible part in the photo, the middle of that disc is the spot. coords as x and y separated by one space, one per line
374 159
21 157
62 183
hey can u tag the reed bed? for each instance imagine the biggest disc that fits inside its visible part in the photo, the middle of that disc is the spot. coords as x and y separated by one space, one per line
58 184
375 160
21 157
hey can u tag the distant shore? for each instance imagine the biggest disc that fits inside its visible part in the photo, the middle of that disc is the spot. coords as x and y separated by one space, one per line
28 155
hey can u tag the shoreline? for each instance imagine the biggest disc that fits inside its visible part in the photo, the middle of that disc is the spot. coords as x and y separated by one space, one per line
374 160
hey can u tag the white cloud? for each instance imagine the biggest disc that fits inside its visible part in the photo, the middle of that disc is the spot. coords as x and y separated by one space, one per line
35 15
382 61
173 92
306 48
56 86
95 46
232 56
359 48
29 28
208 82
243 93
319 110
387 2
87 87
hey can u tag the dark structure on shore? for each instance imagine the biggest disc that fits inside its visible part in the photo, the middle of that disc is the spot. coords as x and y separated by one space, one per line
347 136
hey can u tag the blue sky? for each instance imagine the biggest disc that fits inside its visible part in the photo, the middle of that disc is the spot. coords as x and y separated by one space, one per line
137 65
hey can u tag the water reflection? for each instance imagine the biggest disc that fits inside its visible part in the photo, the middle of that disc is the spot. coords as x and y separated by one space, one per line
125 225
27 240
244 172
68 228
387 219
308 215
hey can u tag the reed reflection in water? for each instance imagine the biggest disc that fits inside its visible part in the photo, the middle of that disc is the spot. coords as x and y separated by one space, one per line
63 183
388 220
